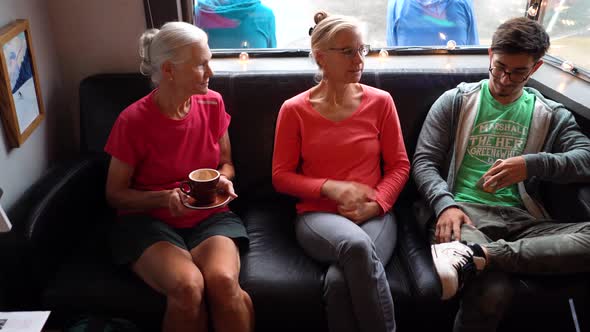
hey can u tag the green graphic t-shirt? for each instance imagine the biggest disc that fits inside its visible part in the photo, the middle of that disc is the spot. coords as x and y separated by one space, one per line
500 132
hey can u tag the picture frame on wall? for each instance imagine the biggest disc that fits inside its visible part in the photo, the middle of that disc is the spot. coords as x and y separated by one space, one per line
21 103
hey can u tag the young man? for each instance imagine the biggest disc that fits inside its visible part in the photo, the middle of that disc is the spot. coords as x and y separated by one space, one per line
482 152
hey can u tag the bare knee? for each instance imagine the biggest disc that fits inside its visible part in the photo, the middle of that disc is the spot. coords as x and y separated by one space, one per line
187 293
222 287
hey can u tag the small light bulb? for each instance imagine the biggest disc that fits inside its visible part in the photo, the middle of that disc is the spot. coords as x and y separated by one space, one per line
244 57
451 45
245 44
383 53
567 66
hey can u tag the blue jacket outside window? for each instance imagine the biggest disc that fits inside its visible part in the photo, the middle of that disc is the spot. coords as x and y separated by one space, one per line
236 23
430 22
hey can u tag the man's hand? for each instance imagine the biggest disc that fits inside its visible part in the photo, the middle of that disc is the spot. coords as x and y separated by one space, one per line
362 213
449 223
349 195
504 173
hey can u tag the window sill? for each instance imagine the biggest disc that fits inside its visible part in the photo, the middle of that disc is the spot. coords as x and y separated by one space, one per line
556 84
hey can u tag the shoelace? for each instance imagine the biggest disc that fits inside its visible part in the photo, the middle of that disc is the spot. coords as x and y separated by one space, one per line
459 257
464 265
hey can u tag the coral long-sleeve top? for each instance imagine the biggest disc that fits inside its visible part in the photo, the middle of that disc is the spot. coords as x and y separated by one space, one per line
367 147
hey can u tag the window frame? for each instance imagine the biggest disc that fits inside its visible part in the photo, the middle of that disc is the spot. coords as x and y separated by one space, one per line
157 12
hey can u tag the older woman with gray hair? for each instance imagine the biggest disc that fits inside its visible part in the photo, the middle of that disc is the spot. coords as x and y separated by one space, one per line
186 251
339 149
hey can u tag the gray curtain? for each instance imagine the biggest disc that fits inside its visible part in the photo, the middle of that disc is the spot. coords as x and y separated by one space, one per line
158 12
188 11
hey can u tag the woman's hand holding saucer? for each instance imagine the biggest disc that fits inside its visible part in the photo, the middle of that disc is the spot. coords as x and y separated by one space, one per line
175 205
226 186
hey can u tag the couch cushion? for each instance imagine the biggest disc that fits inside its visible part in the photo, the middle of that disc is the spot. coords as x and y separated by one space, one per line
102 98
253 100
285 284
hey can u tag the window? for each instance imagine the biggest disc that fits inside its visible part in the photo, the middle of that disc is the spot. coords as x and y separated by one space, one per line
292 20
568 25
283 24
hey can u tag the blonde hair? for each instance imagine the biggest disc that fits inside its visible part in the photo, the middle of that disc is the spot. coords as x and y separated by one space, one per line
166 44
327 26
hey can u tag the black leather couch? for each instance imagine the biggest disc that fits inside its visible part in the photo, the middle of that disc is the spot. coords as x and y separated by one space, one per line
64 220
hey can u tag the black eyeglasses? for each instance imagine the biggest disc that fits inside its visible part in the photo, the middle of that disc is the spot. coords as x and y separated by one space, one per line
515 77
351 52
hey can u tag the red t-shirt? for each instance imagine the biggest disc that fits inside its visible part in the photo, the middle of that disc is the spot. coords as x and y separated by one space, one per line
367 147
163 151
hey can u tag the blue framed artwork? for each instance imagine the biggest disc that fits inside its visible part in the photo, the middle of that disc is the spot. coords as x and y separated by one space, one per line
20 94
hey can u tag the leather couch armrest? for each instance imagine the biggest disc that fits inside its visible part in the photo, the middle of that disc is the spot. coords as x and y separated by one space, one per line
47 221
415 255
15 253
63 196
58 210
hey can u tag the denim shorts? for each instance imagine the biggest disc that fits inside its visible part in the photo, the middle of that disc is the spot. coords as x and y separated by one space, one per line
133 234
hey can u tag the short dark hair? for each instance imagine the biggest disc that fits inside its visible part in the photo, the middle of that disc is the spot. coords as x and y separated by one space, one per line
521 35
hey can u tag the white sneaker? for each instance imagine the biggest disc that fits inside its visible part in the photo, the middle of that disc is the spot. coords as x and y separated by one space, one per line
455 262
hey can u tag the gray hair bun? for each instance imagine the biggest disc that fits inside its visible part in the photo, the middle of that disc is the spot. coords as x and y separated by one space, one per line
145 41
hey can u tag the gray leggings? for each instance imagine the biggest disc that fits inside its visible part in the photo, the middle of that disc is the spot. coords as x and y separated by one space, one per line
356 256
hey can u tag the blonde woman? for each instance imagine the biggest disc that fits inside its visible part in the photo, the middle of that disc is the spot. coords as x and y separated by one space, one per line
339 149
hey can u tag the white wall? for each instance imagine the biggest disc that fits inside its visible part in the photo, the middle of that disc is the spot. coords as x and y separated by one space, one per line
93 36
20 167
72 39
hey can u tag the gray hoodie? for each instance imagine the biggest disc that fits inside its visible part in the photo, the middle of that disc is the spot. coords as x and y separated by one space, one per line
556 150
